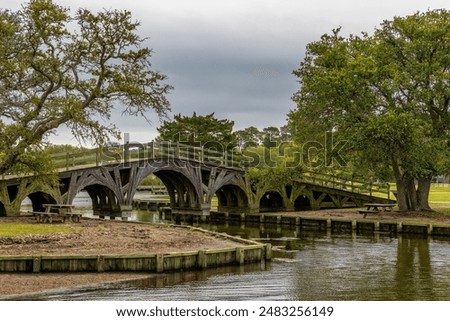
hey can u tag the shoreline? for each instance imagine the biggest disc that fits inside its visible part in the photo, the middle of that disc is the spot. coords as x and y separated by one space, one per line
16 285
48 283
119 250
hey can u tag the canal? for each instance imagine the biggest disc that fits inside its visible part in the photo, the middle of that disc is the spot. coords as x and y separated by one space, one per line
306 265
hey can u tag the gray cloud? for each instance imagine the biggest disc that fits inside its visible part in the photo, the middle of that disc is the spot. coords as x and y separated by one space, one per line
235 57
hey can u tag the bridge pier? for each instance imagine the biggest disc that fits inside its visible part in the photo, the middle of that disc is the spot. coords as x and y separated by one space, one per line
192 213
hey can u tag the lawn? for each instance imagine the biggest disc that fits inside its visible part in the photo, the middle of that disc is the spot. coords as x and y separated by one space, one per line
15 229
440 195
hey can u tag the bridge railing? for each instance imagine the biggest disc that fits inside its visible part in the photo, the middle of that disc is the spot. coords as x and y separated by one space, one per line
118 154
351 184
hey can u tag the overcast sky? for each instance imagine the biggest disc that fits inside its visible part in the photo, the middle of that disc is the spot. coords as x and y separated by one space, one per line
236 57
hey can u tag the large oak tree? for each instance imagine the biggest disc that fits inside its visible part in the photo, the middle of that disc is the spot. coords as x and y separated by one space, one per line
388 94
57 68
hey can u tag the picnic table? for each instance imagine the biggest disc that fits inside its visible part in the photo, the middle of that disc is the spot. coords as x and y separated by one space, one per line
375 208
52 210
386 207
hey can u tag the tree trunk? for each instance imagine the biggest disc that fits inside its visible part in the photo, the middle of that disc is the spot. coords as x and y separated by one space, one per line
411 193
402 199
423 193
402 188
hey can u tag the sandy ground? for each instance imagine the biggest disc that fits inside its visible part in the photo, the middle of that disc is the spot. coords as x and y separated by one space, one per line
115 237
95 237
351 213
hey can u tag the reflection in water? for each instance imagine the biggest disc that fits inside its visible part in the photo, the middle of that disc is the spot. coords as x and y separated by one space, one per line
370 268
413 276
307 265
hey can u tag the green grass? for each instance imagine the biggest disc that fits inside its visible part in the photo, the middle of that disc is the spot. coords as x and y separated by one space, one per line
439 200
16 229
440 195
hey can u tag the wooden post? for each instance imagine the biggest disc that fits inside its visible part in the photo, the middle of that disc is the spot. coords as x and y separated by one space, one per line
36 264
100 261
126 152
376 226
268 247
201 260
151 154
240 256
159 263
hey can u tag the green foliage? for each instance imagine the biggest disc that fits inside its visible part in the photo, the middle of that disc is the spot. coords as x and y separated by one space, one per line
151 180
387 93
59 149
248 137
366 87
60 69
271 169
268 137
202 131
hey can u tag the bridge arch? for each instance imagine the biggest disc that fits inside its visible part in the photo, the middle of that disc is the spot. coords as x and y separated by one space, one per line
302 203
104 186
180 188
39 194
182 180
104 201
271 201
232 198
39 198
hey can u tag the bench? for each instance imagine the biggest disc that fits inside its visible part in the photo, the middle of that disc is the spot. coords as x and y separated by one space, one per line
365 212
44 217
388 207
61 210
74 217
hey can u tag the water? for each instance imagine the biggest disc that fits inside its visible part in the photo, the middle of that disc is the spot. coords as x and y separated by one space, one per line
307 265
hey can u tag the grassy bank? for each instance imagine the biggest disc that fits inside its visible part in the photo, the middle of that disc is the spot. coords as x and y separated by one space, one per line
16 229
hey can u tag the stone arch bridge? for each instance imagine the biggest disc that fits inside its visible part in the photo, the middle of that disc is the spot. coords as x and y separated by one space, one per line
192 177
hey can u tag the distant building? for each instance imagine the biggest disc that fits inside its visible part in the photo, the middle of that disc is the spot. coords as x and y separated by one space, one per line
440 179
